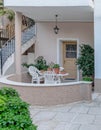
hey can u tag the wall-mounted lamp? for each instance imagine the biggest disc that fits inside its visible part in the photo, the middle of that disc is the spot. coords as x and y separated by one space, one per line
56 29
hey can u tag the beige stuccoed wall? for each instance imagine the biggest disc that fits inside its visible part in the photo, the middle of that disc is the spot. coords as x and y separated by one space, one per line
53 95
47 94
46 44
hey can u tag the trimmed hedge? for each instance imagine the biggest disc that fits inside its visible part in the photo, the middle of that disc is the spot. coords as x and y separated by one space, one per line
14 113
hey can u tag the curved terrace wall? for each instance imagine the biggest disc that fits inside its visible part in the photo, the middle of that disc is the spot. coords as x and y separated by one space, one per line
49 94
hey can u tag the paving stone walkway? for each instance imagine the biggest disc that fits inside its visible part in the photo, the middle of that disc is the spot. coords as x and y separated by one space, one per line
76 116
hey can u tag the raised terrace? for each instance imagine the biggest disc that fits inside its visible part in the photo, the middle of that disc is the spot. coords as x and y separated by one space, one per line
48 94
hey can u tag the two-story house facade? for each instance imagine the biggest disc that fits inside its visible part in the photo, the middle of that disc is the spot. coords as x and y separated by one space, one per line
78 22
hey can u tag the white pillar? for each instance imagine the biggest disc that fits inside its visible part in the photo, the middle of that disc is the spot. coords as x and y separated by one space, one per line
97 44
18 20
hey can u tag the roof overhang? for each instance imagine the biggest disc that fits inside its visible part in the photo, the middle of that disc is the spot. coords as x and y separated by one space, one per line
66 12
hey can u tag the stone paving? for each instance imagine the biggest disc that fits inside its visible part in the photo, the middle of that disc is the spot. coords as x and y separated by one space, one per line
75 116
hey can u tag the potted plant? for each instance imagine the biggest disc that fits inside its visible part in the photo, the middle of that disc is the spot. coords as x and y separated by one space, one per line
85 62
40 63
56 68
50 66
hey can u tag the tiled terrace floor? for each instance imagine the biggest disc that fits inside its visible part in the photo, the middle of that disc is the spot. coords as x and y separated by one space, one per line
76 116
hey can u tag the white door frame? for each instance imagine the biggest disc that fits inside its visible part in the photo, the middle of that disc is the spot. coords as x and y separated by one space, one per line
59 51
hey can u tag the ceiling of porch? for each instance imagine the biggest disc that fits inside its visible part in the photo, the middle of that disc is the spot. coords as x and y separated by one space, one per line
70 13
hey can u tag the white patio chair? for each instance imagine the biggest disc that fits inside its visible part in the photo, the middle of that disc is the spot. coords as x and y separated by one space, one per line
50 77
37 76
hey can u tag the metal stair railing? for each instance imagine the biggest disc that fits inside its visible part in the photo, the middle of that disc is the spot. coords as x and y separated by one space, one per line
9 47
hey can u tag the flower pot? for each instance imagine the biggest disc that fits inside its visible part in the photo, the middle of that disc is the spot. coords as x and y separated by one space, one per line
56 70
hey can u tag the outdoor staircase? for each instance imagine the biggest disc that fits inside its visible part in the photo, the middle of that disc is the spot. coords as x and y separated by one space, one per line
8 49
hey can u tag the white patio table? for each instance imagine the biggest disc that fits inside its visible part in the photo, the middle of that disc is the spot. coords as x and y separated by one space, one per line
52 77
60 76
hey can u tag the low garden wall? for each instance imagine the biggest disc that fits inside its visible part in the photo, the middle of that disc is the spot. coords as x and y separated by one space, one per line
50 94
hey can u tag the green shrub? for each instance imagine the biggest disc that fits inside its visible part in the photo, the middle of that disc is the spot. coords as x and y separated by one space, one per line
27 65
14 113
56 66
86 78
8 92
85 61
2 103
40 63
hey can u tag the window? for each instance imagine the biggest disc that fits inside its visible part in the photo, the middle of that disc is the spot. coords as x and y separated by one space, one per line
71 50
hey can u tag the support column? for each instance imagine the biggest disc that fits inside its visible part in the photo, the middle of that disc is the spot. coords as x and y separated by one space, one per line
18 20
97 44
